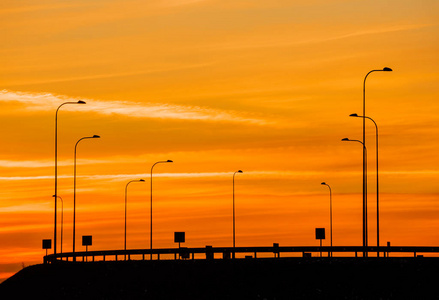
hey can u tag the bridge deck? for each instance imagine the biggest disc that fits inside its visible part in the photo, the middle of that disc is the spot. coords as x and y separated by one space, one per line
230 252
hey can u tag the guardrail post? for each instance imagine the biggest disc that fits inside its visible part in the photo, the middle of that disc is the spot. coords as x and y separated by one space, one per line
388 247
209 253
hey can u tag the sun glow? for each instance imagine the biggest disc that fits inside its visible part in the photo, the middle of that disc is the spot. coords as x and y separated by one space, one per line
217 86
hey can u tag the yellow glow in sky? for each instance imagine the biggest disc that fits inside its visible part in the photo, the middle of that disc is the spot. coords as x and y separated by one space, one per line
217 86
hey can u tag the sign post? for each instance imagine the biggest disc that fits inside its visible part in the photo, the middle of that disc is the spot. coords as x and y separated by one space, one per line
86 241
179 237
320 235
47 244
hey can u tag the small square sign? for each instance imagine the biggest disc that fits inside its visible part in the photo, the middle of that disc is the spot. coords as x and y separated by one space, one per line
86 240
320 233
179 237
47 244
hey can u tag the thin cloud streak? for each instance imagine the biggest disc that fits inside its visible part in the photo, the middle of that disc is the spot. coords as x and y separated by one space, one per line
47 163
109 75
47 101
34 208
270 43
172 3
253 174
38 8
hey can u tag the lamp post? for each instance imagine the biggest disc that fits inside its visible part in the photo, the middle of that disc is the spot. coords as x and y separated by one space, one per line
125 232
364 193
56 165
62 217
376 144
386 69
330 210
150 232
239 171
74 187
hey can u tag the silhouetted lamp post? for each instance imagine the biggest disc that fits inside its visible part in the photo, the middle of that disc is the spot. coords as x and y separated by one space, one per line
364 193
126 189
150 237
376 144
386 69
239 171
56 165
62 217
330 210
74 186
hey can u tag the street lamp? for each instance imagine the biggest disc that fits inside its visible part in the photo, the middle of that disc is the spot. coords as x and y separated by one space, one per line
376 144
56 165
62 217
364 192
126 188
239 171
159 162
74 187
386 69
330 210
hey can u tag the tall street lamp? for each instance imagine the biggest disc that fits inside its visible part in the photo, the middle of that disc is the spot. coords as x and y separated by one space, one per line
126 189
386 69
56 165
239 171
364 193
62 217
376 144
150 230
330 210
74 187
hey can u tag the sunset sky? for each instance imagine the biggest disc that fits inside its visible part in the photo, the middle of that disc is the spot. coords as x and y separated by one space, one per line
264 86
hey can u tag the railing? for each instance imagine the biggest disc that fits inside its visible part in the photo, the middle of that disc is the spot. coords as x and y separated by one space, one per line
230 252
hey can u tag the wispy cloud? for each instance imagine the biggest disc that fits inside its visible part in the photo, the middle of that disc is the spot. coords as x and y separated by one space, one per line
121 177
180 2
250 174
33 207
109 75
46 163
48 101
20 8
273 42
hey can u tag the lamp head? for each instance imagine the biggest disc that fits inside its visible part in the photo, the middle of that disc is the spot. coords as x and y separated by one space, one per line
323 183
386 69
81 102
169 160
345 139
353 115
96 136
239 171
141 180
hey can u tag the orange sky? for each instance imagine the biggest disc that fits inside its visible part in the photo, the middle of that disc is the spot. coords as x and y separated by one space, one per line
216 86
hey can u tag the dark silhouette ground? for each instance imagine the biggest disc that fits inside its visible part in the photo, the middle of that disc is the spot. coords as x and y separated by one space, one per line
281 278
